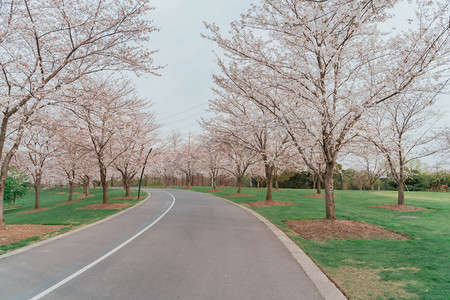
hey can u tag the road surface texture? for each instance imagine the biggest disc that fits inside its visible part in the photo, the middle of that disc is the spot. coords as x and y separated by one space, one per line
176 245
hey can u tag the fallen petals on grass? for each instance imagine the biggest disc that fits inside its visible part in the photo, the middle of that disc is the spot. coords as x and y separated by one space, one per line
270 203
16 233
397 207
322 230
107 206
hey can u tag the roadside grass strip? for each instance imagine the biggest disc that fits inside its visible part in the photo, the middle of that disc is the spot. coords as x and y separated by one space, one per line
57 211
416 267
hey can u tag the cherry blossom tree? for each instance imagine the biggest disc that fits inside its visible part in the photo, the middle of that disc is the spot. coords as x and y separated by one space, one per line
105 108
212 157
45 46
134 143
404 129
39 149
320 66
249 126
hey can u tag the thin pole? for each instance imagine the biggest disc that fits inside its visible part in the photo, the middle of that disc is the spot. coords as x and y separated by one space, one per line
142 173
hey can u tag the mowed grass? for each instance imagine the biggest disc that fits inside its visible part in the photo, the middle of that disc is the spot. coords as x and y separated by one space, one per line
372 269
64 214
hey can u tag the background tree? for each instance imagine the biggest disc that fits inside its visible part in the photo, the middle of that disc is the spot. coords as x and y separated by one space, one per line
16 186
403 129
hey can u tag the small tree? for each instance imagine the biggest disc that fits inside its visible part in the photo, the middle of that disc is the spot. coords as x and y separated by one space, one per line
15 186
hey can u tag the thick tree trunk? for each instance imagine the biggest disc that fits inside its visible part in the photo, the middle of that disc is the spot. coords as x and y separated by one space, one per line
239 184
2 190
329 192
269 178
71 189
37 190
318 186
127 187
401 194
104 183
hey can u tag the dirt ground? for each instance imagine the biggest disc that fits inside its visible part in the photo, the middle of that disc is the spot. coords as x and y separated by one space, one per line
214 190
33 210
396 207
316 196
107 206
16 233
239 195
321 230
270 203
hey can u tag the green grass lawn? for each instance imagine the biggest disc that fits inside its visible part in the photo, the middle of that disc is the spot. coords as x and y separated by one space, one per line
66 214
373 269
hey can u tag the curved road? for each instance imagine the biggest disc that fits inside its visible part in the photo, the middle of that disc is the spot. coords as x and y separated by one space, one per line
176 245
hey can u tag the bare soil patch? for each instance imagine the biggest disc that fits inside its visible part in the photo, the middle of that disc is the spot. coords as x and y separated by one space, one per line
322 230
67 202
107 206
33 211
316 196
239 195
187 188
16 233
84 196
214 190
128 197
396 207
270 203
60 193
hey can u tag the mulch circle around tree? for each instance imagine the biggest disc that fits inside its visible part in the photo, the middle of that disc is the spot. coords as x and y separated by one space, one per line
322 230
16 233
316 196
239 195
33 211
67 202
397 207
106 206
214 190
81 197
128 197
270 203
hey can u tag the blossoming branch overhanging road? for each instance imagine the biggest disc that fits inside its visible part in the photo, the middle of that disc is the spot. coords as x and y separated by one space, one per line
176 245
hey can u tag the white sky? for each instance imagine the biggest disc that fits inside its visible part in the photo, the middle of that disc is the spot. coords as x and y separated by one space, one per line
181 94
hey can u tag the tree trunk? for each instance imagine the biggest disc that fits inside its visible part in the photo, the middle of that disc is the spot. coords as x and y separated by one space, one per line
104 183
37 190
318 186
329 192
71 189
239 184
2 190
127 187
269 178
86 182
401 194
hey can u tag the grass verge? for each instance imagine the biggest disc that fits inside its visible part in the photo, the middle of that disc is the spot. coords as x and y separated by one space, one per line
372 269
59 213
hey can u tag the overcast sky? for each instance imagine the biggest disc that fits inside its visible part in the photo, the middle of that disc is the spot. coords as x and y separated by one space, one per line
181 94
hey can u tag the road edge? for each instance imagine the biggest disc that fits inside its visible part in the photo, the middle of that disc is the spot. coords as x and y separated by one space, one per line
324 285
60 236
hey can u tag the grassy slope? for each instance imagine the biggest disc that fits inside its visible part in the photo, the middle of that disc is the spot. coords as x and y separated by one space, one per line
417 268
66 214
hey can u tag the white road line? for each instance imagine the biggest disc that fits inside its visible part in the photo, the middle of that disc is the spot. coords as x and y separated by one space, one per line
67 279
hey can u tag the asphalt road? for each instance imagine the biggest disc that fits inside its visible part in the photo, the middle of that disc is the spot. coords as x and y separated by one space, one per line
176 245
